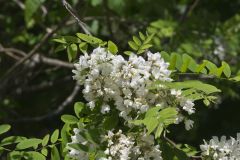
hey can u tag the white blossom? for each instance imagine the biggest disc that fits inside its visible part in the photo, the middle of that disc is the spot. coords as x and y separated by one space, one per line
110 77
188 105
222 149
124 147
188 124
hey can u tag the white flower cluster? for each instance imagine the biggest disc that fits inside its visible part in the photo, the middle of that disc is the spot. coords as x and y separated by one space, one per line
124 147
111 78
222 149
124 84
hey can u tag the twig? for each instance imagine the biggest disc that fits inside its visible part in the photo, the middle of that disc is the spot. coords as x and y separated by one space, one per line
75 15
189 10
46 84
20 4
32 52
53 62
37 58
10 54
56 112
107 17
175 146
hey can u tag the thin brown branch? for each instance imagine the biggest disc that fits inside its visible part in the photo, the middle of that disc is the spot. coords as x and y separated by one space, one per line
31 53
46 84
56 112
52 62
108 18
38 58
189 9
20 4
9 53
75 16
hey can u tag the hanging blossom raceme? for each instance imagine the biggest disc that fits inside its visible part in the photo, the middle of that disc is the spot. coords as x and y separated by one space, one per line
124 147
111 78
119 146
222 149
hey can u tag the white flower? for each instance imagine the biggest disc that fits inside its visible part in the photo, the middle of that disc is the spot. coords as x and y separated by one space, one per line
188 124
176 93
222 149
105 109
124 147
187 105
91 105
111 78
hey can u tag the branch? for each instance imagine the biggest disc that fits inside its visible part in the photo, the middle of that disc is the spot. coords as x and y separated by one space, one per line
75 15
56 112
189 10
107 17
53 62
31 53
175 146
46 84
36 58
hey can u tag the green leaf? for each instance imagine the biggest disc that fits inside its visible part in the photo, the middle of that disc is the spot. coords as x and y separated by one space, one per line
79 146
201 68
45 140
55 154
69 119
170 152
11 140
4 128
89 39
146 46
66 39
112 47
211 67
111 121
155 119
60 47
142 36
137 41
54 136
31 6
226 69
206 102
35 155
15 155
149 38
44 151
159 131
59 40
133 45
28 143
207 88
72 52
186 59
83 47
167 115
71 39
151 123
152 112
128 53
236 78
175 61
95 3
64 134
78 107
